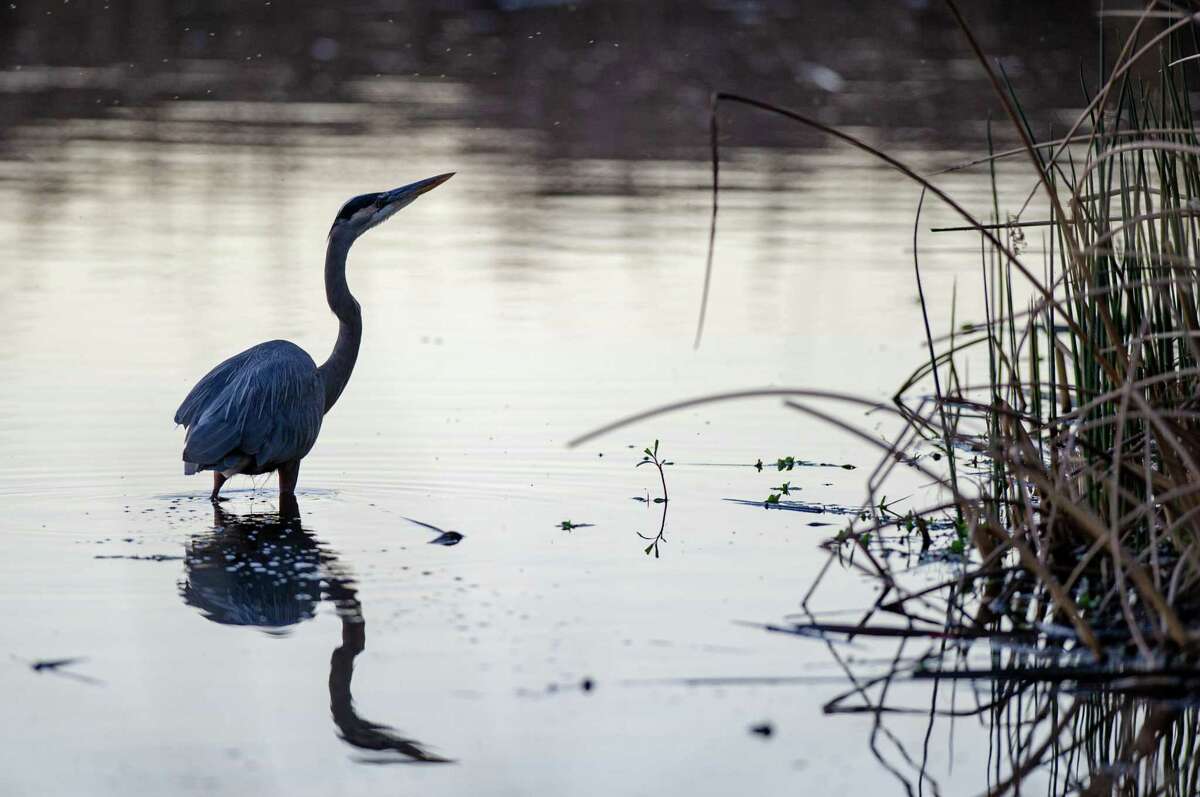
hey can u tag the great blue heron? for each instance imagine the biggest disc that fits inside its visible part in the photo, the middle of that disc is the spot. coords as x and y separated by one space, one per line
260 411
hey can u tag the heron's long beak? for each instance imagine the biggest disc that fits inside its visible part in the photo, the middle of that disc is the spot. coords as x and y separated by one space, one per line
389 202
407 193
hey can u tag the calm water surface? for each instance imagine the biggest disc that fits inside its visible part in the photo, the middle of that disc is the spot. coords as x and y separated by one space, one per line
268 649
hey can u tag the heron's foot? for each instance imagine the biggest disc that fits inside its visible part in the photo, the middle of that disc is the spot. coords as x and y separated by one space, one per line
217 499
218 480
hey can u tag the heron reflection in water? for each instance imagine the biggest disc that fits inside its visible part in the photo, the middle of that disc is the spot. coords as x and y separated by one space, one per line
267 571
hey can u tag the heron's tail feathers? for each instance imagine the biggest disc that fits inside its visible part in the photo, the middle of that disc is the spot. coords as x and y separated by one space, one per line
190 468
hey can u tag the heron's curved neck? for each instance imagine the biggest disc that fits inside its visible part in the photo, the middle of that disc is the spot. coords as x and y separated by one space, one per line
335 372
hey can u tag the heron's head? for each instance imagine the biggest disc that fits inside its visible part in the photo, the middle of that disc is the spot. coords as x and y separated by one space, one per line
368 210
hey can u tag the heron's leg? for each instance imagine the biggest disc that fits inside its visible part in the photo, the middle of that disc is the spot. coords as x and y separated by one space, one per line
218 479
289 474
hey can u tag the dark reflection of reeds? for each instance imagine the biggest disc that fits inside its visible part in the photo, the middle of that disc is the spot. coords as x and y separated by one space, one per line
1095 743
1051 730
265 570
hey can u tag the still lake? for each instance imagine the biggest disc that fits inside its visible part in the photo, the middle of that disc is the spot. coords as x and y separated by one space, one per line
550 287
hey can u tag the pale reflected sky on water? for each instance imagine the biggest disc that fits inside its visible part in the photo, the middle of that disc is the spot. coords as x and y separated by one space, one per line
552 285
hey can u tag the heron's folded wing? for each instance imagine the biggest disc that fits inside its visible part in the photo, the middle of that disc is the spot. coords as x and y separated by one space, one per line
284 414
208 389
266 403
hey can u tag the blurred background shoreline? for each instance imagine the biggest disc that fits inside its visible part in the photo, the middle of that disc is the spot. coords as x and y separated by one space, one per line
624 80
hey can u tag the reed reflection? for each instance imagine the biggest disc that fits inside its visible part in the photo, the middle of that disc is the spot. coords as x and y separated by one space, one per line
265 570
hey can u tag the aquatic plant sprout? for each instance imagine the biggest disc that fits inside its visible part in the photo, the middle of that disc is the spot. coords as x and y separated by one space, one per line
650 457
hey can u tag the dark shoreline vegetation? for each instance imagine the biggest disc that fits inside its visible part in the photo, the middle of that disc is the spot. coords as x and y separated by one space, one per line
1069 480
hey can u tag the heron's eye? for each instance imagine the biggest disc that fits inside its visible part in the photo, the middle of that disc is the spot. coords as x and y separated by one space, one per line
355 205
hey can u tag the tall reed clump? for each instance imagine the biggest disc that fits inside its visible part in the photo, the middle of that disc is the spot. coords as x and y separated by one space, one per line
1069 481
1088 507
1086 513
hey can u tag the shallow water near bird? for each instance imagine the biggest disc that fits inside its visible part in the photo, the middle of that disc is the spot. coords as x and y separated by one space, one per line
532 297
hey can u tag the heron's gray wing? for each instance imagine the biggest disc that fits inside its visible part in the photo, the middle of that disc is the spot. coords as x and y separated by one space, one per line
209 387
265 404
